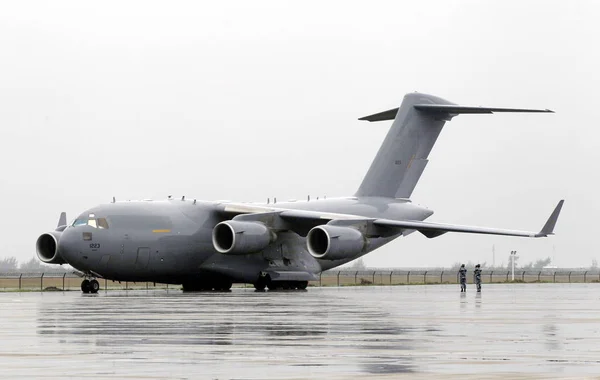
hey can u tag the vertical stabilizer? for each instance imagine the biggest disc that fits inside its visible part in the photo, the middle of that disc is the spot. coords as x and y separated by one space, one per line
402 157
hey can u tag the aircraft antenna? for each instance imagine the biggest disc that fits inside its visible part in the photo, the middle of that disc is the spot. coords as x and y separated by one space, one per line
274 200
114 200
268 200
194 200
170 197
308 198
183 198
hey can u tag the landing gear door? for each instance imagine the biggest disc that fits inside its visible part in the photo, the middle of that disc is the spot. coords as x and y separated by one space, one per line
143 256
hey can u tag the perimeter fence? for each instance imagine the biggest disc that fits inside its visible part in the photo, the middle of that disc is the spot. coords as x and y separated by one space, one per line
67 281
71 281
450 276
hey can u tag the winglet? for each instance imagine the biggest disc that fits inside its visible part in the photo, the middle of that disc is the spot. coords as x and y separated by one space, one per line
548 228
62 221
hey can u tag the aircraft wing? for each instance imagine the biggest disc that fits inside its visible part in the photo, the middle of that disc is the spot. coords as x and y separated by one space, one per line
432 230
301 221
387 227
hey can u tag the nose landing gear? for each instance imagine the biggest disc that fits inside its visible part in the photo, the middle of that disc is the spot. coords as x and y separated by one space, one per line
90 286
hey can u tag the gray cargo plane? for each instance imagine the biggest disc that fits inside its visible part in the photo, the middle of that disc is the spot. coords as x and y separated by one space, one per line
210 245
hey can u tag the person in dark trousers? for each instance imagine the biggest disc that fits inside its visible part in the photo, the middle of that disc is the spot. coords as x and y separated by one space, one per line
462 273
477 277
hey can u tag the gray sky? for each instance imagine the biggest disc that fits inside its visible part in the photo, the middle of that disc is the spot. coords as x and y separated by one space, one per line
248 100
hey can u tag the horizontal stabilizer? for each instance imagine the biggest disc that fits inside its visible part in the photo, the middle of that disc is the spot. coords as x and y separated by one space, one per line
381 116
450 109
455 110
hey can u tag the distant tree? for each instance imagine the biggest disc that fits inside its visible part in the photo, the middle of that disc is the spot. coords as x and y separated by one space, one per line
8 264
539 264
594 264
34 265
358 265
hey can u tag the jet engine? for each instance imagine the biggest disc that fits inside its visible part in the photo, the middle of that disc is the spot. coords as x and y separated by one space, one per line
240 238
334 243
47 248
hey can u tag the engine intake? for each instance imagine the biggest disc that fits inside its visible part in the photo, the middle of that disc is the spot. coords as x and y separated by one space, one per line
240 238
334 243
46 247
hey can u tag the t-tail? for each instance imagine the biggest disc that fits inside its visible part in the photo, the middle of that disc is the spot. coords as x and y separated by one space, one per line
402 157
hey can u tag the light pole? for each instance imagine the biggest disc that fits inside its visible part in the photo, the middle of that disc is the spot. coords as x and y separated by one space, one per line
513 255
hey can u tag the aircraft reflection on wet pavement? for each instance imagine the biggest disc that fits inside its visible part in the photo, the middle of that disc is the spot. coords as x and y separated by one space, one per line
541 330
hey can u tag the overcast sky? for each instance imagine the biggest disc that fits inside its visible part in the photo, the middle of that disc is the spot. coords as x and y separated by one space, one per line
247 100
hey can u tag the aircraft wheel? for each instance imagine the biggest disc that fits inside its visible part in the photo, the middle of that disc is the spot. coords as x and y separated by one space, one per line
301 285
272 285
85 286
94 286
261 282
225 286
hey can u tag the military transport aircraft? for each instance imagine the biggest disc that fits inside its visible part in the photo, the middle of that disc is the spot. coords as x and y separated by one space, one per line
210 245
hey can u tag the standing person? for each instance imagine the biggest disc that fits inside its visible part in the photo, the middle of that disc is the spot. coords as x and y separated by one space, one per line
477 277
462 272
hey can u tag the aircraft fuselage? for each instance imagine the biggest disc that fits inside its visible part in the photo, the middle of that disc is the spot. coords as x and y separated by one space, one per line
171 241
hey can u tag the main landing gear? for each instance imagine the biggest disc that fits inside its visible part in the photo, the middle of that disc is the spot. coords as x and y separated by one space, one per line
287 285
266 282
90 286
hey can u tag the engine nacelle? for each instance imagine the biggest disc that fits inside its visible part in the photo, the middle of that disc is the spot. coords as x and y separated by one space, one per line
46 247
334 243
240 238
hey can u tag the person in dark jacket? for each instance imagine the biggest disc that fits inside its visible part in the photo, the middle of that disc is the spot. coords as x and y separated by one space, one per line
477 277
462 273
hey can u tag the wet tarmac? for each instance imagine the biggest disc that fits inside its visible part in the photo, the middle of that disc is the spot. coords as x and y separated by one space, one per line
515 331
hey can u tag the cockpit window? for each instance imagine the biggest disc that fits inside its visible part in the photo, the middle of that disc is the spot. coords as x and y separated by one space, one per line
92 222
80 222
102 223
